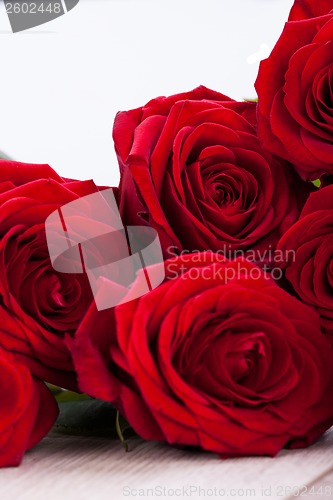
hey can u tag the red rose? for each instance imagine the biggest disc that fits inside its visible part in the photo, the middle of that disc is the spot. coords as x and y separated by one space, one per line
38 305
305 9
28 410
294 85
310 271
217 357
192 167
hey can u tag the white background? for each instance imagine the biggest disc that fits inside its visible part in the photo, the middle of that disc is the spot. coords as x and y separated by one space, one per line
62 83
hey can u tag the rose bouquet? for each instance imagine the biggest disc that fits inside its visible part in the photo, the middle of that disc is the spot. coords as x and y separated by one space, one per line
216 331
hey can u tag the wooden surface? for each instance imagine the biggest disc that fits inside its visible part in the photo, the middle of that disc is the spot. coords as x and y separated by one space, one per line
65 467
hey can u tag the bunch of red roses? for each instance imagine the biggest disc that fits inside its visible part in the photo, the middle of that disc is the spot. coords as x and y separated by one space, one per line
228 354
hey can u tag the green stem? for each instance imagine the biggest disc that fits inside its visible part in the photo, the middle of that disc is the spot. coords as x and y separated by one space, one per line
120 433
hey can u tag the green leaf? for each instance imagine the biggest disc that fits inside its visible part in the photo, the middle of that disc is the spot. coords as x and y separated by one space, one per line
89 417
63 395
92 417
68 396
3 156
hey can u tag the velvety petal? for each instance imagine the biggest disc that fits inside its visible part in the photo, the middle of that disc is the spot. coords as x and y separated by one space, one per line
200 362
306 9
39 306
28 410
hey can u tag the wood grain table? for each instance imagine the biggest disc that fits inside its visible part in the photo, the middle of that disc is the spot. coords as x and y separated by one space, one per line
64 467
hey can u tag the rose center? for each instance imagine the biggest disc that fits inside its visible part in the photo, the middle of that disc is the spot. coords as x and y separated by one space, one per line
242 362
223 189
